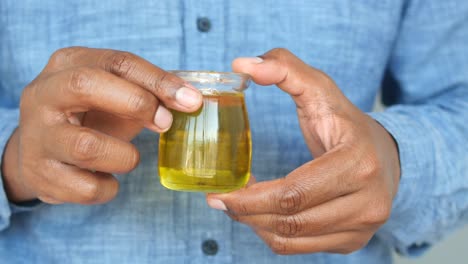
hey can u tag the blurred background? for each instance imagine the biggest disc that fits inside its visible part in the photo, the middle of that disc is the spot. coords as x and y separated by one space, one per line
452 250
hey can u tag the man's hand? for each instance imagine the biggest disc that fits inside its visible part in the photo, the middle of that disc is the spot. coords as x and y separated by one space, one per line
336 202
77 118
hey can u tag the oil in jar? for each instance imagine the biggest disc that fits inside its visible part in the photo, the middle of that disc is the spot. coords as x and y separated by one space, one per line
209 150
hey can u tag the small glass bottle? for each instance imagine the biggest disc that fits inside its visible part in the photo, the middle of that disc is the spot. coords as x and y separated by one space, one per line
209 150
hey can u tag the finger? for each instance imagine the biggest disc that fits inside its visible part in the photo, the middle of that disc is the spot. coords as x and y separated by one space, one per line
90 149
174 92
338 215
314 183
112 125
343 243
305 84
87 88
70 184
321 107
218 204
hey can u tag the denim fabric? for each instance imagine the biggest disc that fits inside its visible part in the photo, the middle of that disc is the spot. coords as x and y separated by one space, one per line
419 46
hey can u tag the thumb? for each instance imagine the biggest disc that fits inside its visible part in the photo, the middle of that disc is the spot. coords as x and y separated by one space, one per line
305 84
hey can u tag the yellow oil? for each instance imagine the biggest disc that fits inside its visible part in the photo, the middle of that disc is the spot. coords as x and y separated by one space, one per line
209 150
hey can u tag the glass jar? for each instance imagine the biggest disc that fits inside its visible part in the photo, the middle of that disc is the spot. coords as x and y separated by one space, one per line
209 150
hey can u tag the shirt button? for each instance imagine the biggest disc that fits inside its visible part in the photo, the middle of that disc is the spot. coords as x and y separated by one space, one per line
203 24
210 247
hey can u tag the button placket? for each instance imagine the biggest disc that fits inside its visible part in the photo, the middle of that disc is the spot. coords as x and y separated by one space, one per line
204 27
210 232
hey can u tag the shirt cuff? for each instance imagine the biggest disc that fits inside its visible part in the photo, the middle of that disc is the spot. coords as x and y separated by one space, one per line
415 148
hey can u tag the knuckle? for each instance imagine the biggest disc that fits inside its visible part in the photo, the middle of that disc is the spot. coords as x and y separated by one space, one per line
288 226
121 63
163 84
63 55
160 82
90 191
141 103
27 96
80 81
281 52
378 214
279 245
291 199
49 169
85 146
369 166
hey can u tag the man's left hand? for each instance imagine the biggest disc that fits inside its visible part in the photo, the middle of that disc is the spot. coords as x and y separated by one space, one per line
336 202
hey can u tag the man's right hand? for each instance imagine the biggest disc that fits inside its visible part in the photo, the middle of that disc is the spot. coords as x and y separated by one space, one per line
77 118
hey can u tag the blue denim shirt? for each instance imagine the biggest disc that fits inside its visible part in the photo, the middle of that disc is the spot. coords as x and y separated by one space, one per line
415 50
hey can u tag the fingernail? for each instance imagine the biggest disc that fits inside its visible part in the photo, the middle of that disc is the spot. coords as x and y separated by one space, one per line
253 60
188 97
217 204
163 118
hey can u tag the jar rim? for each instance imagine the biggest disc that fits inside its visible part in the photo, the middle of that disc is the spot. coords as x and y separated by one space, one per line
242 80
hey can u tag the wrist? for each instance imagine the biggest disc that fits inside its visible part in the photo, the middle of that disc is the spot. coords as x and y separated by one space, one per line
15 190
390 155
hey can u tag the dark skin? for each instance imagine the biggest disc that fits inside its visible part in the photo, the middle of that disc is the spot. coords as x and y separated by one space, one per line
336 202
78 116
77 119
